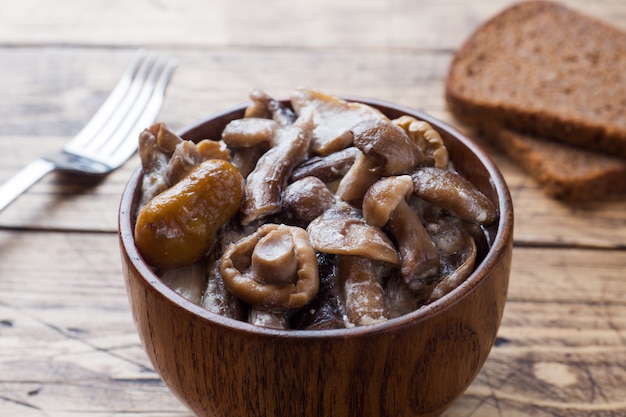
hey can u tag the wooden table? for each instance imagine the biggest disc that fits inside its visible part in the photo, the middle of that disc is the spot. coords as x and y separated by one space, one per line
68 345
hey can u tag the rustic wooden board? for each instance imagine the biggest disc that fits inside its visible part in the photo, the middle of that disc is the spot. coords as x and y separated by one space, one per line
239 23
210 81
68 346
79 352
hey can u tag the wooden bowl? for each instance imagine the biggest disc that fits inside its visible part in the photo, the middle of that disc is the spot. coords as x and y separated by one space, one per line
414 365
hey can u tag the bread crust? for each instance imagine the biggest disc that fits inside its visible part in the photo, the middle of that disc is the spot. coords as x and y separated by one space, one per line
543 69
563 171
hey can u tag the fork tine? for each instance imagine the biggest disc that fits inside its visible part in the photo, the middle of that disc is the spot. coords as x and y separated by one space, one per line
128 145
125 128
110 104
90 147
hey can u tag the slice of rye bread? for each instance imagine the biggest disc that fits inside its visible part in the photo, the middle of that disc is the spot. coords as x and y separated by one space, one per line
544 69
563 171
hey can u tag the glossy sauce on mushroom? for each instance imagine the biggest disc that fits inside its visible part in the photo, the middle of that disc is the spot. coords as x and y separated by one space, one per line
346 218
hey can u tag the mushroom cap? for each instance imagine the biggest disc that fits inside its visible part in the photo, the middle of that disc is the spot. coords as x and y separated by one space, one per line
341 230
239 275
391 147
383 197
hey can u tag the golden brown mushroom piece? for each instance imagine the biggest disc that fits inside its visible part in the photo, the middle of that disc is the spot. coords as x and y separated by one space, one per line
342 230
450 190
386 149
385 204
428 140
275 268
179 226
333 118
362 252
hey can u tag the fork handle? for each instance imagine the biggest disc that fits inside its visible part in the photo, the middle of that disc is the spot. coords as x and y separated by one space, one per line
23 180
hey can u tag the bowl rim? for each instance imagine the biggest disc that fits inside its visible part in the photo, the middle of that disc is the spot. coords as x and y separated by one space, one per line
502 239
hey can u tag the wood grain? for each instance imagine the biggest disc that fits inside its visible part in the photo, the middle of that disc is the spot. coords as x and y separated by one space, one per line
68 345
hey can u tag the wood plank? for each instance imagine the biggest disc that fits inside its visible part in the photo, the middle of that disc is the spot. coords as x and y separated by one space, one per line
321 24
68 344
73 82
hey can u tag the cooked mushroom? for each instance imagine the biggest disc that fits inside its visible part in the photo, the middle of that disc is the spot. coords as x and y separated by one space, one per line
265 317
305 200
166 158
427 139
327 310
393 150
265 106
385 149
275 267
327 168
385 204
250 131
450 190
217 298
249 138
183 160
189 281
458 253
264 185
213 149
362 291
342 230
333 118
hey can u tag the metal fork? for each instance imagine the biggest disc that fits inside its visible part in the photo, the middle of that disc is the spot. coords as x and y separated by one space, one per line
111 136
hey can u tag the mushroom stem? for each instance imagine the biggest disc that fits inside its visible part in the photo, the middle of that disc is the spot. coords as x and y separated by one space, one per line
384 203
274 258
358 179
450 190
418 254
257 290
362 291
265 184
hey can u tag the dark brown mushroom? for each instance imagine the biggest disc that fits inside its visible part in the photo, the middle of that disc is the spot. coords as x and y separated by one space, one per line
327 310
386 149
457 254
458 265
327 168
342 230
265 184
305 200
452 191
333 118
275 267
395 153
264 106
385 204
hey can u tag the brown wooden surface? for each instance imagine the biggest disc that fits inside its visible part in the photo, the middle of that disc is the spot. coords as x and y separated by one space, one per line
68 346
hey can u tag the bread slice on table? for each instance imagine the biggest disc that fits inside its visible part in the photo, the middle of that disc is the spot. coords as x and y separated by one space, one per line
544 69
564 172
